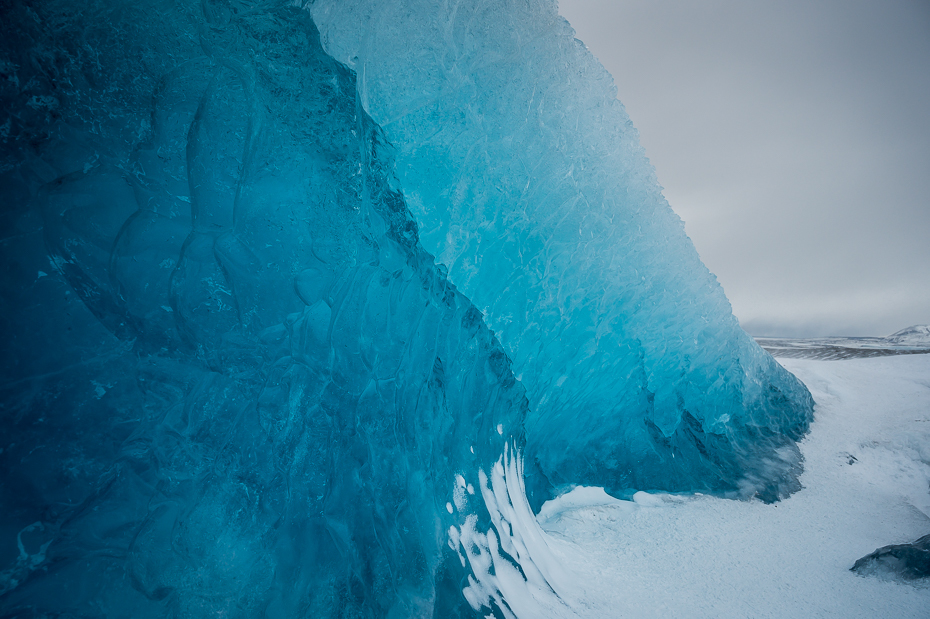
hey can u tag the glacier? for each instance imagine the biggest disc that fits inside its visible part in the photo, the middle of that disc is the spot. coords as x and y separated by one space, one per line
235 378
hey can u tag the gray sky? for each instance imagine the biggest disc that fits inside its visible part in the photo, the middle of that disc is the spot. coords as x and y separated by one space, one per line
794 140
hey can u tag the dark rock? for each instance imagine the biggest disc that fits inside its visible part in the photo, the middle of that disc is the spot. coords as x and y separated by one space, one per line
905 561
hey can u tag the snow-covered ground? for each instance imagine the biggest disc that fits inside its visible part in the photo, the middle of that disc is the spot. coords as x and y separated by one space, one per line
866 485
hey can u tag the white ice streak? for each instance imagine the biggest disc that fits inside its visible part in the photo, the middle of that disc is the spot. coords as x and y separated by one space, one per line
513 565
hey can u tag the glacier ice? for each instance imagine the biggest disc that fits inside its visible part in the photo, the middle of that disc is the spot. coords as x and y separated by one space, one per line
234 379
528 180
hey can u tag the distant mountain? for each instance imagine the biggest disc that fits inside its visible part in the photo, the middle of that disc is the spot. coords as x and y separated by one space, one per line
918 335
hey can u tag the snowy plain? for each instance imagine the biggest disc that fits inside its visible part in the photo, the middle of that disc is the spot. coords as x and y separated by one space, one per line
866 485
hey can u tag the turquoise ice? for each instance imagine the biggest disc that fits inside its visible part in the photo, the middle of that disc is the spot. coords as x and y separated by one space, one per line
528 181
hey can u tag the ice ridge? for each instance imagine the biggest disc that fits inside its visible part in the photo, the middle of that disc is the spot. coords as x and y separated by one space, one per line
529 182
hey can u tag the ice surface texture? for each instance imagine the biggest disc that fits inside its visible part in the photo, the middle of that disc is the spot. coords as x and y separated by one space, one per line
289 406
528 181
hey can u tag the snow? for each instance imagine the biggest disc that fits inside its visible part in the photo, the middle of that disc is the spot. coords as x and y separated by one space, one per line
699 556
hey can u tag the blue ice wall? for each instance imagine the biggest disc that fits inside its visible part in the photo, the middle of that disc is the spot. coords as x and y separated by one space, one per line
233 382
528 181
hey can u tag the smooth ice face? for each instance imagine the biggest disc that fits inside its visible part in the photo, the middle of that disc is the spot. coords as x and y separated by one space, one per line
528 181
237 385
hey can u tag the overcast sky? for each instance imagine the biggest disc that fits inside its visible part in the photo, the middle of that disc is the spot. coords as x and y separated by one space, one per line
793 138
